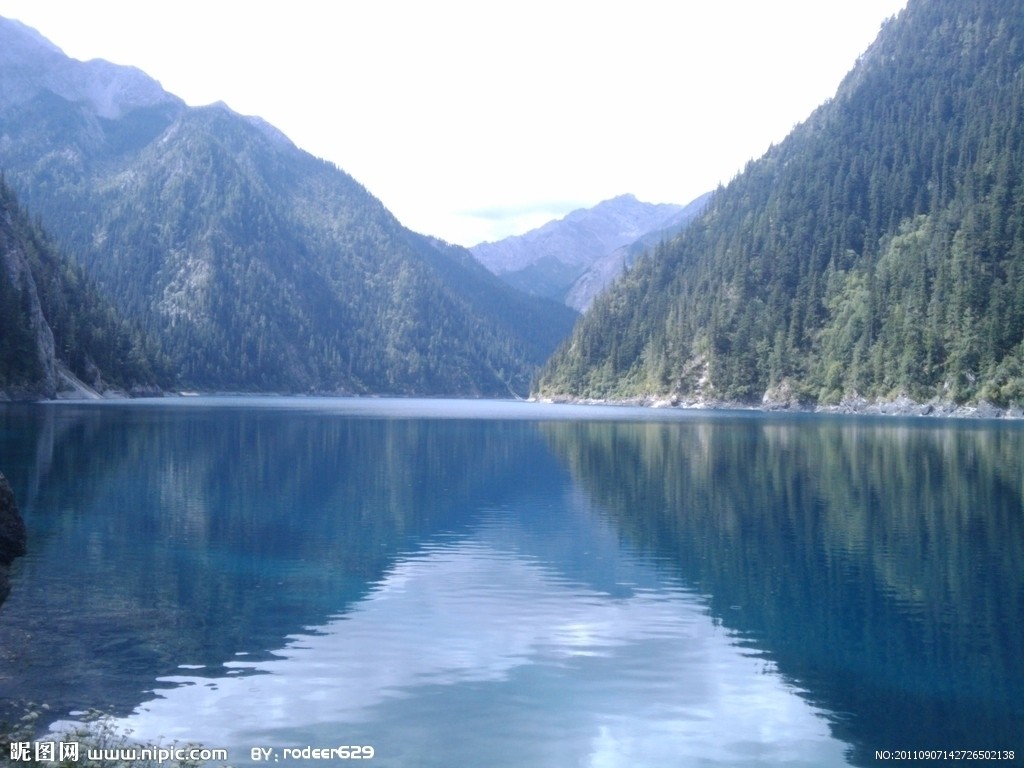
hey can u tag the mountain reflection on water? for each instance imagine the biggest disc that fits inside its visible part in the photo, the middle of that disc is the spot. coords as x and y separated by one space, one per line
879 564
566 584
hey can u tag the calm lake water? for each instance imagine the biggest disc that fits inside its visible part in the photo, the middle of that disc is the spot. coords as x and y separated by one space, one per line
461 583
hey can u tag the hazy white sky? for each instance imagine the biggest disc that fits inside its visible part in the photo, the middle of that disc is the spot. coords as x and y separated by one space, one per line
475 119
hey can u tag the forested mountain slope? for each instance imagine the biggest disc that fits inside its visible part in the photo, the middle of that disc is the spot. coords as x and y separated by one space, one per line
53 321
877 251
256 266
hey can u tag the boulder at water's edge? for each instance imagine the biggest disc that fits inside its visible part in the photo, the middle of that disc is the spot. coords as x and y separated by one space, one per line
13 536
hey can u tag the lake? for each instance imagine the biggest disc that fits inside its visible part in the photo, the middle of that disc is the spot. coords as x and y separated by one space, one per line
474 583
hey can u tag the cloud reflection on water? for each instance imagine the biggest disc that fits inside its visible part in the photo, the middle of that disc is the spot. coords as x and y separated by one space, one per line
518 665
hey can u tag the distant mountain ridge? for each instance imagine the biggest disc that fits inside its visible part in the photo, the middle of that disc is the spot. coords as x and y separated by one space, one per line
573 258
605 270
255 265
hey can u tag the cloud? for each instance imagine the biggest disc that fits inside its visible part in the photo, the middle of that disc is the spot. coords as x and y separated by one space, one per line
496 222
551 209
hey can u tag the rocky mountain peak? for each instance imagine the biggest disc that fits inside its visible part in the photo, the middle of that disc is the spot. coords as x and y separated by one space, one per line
578 238
32 64
573 258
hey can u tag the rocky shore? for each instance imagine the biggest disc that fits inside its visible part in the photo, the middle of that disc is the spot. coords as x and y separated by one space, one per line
853 405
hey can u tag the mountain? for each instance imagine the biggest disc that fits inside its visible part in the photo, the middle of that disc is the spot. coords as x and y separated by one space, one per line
573 258
256 266
877 252
56 332
602 272
31 63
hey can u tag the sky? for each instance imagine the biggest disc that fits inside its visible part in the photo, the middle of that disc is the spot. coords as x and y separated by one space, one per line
471 120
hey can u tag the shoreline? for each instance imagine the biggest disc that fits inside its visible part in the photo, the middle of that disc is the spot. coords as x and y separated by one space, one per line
901 406
851 406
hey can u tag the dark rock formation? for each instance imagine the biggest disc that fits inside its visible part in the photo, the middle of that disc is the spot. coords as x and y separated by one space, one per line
13 536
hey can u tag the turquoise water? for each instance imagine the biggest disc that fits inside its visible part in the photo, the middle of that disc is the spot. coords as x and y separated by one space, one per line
461 583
